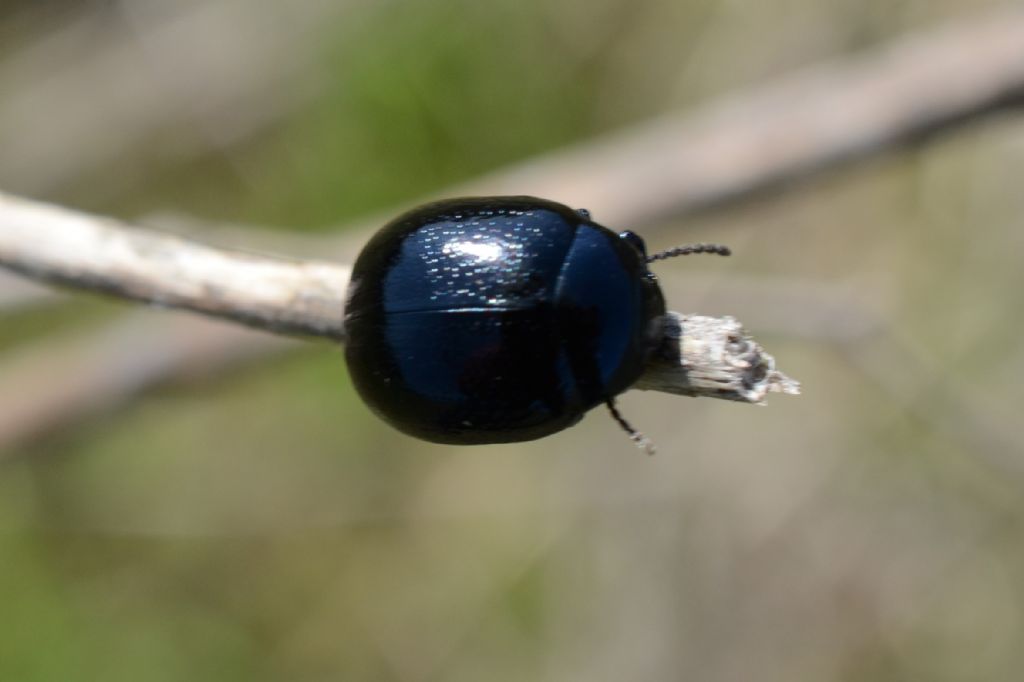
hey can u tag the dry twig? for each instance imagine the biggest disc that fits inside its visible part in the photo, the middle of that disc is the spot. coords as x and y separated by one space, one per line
74 249
60 246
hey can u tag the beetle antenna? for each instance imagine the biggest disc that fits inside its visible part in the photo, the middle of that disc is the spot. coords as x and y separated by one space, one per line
642 441
686 249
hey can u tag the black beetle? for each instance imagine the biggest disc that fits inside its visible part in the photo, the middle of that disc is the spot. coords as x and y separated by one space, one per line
500 319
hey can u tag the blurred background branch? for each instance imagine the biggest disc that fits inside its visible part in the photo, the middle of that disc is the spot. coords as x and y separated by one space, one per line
65 381
238 75
788 131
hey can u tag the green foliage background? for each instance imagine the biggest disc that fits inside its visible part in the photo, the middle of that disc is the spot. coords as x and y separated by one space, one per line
264 526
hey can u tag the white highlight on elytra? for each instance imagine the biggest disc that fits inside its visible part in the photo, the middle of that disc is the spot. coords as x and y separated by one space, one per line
482 251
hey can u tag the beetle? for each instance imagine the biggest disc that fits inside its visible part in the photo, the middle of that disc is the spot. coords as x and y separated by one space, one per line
501 319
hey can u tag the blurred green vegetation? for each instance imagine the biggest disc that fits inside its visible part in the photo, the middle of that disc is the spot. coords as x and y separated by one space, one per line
422 95
264 526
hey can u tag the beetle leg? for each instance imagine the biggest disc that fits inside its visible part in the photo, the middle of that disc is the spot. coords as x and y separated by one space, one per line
642 441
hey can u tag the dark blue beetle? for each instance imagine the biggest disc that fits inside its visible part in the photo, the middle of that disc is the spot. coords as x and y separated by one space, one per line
500 319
